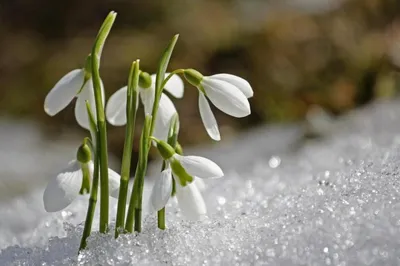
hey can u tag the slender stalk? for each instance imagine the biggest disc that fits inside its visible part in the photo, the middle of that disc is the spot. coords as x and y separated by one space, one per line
131 209
92 206
95 183
139 181
135 204
132 98
161 213
103 158
101 124
161 219
177 71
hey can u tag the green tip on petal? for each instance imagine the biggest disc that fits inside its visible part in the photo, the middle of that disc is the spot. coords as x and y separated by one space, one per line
193 76
180 173
144 80
83 154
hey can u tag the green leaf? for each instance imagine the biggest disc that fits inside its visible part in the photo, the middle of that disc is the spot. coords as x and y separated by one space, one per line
144 142
103 34
162 67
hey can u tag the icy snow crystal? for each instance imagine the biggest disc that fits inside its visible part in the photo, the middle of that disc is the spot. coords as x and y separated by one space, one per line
333 201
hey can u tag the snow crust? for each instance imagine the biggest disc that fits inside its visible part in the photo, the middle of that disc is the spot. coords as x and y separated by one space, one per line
328 201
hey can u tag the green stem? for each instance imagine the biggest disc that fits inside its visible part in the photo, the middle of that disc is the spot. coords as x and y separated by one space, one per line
161 219
102 130
132 98
92 205
135 204
102 137
131 209
161 213
177 71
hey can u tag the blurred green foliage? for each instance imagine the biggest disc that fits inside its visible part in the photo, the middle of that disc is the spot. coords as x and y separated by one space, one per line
295 53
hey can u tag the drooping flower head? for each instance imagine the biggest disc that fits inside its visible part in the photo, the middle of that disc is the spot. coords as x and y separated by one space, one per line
184 169
77 83
229 93
75 179
115 109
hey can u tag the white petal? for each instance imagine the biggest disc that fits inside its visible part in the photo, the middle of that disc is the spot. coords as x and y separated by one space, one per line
87 94
199 166
147 97
162 190
190 201
166 111
175 86
114 180
63 189
116 107
226 97
242 84
199 183
208 118
63 92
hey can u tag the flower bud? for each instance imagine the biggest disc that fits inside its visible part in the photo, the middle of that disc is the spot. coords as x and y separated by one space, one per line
144 80
194 77
165 149
83 155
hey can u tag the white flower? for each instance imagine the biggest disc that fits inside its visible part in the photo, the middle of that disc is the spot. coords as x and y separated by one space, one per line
65 187
198 166
188 195
66 89
229 93
116 106
189 198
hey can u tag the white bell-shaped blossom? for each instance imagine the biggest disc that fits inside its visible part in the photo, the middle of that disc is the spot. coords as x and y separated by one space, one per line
66 89
190 200
198 166
116 106
227 92
65 187
186 170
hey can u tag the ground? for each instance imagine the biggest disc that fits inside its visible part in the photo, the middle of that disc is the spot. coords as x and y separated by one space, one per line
334 200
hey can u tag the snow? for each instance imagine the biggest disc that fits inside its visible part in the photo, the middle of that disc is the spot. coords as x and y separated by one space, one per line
284 201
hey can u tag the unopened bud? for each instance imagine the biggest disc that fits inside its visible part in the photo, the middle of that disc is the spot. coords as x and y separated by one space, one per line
84 154
144 80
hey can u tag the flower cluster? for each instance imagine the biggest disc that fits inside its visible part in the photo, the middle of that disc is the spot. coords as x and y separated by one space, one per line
181 175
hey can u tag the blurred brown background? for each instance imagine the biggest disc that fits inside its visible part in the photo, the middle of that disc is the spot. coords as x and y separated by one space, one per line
296 53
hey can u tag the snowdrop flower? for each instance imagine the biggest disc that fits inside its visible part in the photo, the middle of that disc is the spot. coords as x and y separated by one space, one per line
185 170
115 109
77 83
71 181
189 198
229 93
